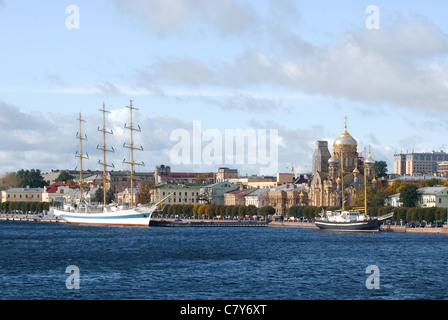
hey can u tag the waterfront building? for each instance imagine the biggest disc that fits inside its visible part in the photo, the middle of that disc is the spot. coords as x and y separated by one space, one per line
265 181
427 197
283 197
418 163
214 193
237 197
393 200
224 174
163 174
125 196
22 194
56 191
432 197
326 186
181 194
118 181
258 198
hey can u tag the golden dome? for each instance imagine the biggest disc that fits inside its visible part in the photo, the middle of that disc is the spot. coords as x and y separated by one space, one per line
345 140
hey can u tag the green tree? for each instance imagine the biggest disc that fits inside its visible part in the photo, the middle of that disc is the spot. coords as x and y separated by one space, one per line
99 196
64 176
408 195
380 168
31 178
433 182
267 210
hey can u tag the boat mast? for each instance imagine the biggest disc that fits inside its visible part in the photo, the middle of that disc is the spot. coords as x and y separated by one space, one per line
104 148
365 184
80 155
342 181
132 148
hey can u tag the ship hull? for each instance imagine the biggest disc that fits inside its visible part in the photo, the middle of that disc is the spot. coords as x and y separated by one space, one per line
355 226
130 218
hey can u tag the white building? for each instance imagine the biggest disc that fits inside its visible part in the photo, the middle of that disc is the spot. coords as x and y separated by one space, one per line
433 197
258 198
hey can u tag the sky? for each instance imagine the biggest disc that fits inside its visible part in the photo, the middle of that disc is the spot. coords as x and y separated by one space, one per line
278 75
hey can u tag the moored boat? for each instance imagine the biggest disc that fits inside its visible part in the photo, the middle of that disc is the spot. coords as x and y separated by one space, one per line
83 212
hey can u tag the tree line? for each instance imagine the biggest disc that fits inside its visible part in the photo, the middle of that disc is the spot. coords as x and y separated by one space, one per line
213 210
24 206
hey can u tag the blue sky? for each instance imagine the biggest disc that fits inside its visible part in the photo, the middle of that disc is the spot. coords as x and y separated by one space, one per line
298 67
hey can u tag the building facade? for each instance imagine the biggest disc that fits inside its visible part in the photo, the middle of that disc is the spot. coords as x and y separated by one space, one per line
346 167
214 193
180 194
320 157
418 163
23 195
163 174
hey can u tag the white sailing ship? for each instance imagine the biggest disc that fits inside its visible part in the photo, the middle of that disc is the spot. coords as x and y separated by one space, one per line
83 212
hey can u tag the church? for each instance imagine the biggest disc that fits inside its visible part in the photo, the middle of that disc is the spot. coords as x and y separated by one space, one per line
345 165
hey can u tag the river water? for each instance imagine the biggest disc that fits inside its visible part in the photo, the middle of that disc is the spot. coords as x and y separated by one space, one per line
59 261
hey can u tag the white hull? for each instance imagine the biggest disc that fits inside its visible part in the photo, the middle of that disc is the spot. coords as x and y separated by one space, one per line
132 217
136 217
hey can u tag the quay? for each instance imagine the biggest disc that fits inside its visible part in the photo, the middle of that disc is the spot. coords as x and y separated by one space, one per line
171 222
166 222
30 217
397 228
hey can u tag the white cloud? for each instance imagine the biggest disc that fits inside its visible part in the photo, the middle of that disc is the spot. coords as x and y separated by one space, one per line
226 17
402 64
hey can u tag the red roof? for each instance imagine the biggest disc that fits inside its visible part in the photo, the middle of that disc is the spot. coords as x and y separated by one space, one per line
54 187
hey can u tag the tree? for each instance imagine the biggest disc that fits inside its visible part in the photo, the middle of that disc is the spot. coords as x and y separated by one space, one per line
408 195
267 210
380 168
145 189
99 196
64 176
9 180
31 178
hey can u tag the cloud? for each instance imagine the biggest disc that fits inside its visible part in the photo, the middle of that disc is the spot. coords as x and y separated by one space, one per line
31 139
226 17
402 64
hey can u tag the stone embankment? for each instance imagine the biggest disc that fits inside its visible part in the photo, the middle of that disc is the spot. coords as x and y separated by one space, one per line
393 228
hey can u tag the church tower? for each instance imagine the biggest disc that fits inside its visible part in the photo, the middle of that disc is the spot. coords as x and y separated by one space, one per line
345 149
320 157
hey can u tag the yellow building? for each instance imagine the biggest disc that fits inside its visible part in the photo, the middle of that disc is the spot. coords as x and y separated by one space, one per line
23 195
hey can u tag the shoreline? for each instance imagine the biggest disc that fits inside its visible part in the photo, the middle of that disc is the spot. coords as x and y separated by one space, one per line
169 222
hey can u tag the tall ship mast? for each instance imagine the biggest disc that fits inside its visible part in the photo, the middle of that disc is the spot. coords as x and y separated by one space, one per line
131 147
105 150
80 155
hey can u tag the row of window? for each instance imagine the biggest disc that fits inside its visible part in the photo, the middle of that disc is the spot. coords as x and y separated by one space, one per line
185 200
20 196
180 193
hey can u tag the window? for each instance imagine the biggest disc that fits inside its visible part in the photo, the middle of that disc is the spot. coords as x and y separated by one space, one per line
440 200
